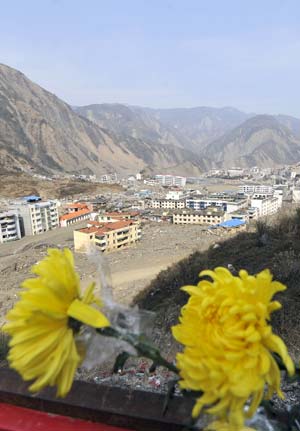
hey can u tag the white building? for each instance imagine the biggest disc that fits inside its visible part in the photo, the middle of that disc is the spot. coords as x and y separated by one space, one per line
261 189
9 226
226 204
235 172
151 182
278 193
253 213
296 195
166 203
38 217
171 180
174 194
266 206
108 178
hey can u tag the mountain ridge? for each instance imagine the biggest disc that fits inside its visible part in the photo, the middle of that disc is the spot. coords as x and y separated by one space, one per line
204 131
260 141
40 131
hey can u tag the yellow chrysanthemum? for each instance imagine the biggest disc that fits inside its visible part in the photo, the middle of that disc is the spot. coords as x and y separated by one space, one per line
229 343
43 322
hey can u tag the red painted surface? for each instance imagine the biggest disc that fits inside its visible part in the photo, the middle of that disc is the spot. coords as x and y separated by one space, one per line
13 418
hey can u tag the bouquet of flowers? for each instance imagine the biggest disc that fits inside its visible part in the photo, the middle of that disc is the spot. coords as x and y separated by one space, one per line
230 359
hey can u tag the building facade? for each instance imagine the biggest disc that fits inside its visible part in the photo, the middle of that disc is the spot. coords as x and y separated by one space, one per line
9 226
76 206
174 194
171 180
227 205
266 206
235 172
166 203
261 189
296 194
38 217
206 217
109 217
75 217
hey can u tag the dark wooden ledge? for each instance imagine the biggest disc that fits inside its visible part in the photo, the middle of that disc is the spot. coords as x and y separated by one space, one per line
131 408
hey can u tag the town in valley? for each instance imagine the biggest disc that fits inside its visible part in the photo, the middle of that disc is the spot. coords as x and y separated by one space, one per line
143 226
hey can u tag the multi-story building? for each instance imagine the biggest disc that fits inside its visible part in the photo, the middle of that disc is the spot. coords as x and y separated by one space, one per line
266 206
107 237
166 203
9 226
109 217
253 213
75 217
279 193
38 217
207 217
296 194
171 180
151 182
226 204
76 206
174 194
235 172
243 214
261 189
108 178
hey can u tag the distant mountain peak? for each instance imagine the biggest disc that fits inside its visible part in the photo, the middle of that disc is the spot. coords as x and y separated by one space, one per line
260 141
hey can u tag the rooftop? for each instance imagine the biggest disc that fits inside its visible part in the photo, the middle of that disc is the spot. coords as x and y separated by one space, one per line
77 205
75 214
32 198
231 223
209 210
222 197
101 228
121 214
91 229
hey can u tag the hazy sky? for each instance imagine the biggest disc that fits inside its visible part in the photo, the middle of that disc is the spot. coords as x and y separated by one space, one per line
159 53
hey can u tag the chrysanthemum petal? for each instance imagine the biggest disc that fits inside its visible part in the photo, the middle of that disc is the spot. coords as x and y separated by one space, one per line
66 376
86 314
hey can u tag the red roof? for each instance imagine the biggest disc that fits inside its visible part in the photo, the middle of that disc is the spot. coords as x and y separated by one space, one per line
102 228
75 214
89 229
119 214
95 223
119 224
77 205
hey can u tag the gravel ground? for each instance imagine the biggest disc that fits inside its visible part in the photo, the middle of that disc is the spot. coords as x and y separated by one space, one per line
131 269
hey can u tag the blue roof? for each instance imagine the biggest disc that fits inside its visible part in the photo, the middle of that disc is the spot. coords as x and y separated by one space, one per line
235 222
31 198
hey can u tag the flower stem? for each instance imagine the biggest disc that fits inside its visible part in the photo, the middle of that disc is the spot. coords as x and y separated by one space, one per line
142 346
